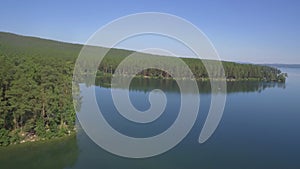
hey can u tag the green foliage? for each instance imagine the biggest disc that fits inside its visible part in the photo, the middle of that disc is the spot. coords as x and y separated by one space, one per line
282 77
40 128
35 88
232 71
14 136
4 137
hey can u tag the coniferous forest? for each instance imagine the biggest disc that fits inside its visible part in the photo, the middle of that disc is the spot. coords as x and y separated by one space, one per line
36 84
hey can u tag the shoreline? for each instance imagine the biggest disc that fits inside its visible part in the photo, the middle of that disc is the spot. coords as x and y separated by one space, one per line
196 79
37 140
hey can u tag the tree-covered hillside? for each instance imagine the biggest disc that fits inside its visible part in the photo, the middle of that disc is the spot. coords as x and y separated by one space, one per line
35 88
233 71
36 81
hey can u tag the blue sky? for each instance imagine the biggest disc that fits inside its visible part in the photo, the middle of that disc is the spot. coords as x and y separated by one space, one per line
257 31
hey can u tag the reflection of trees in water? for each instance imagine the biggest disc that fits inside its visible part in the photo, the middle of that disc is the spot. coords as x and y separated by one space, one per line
54 154
246 86
169 85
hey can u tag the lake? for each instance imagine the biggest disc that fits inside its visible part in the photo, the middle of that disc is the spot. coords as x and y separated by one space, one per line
259 129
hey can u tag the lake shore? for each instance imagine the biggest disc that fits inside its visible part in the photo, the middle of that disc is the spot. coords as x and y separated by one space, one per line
197 79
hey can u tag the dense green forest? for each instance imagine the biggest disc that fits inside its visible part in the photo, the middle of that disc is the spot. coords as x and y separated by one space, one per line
36 84
233 71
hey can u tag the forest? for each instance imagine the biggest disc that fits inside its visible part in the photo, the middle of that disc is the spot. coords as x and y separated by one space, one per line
36 99
232 71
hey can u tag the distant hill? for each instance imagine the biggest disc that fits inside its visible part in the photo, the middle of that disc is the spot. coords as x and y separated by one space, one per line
12 44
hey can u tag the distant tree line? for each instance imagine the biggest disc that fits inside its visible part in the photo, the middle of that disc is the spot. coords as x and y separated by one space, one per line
232 71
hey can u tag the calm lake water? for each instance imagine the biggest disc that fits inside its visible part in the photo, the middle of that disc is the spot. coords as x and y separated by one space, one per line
259 130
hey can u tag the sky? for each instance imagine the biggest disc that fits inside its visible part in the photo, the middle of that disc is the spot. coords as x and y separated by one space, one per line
256 31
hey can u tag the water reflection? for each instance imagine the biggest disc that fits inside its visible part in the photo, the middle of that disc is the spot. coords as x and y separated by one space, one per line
52 154
168 85
190 154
